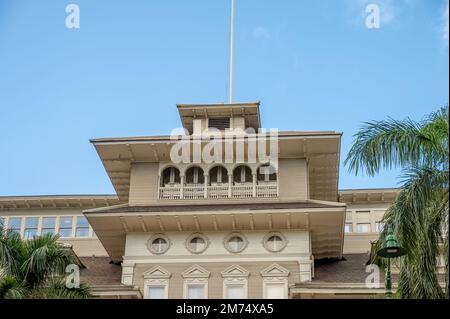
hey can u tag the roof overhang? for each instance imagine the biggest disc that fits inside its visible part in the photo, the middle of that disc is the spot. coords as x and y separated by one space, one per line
324 220
249 111
368 196
320 149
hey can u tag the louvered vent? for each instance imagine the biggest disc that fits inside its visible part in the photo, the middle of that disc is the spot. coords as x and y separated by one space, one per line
220 123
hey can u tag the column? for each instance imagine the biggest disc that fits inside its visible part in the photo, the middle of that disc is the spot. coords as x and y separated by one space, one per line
230 183
206 185
182 187
255 176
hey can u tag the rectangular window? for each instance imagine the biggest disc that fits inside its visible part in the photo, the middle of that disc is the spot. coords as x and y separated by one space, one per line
235 292
65 226
363 228
222 123
196 291
348 228
275 291
379 226
157 292
15 224
82 229
31 227
48 225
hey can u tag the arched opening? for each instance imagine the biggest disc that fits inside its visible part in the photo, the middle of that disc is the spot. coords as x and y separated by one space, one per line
266 186
218 175
170 177
266 174
195 176
242 175
194 187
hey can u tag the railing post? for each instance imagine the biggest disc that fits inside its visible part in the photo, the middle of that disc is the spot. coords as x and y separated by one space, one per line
230 183
206 186
182 187
255 176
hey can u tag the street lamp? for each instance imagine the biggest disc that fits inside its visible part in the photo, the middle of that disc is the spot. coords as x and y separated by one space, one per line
390 250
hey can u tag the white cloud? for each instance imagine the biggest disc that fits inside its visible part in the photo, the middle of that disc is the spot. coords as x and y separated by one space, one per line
262 33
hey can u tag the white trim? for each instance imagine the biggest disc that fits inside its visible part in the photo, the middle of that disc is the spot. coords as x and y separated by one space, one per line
195 275
156 277
235 275
275 275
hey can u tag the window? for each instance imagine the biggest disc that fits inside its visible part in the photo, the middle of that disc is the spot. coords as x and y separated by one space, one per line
235 282
220 123
379 226
158 244
195 282
15 224
156 283
348 228
82 229
197 243
196 291
275 242
235 292
2 222
235 243
275 291
275 282
48 225
363 228
65 226
31 227
156 292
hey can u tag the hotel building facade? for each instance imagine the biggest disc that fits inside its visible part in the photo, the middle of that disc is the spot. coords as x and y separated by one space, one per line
230 228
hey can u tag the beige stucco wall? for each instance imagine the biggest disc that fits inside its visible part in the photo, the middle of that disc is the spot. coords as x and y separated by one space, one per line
293 179
144 184
215 281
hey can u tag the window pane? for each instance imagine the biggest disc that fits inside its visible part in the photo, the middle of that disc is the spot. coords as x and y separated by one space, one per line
156 292
2 222
14 223
48 225
196 292
275 243
197 244
159 245
82 229
275 291
235 292
379 226
65 226
348 228
363 228
235 244
31 227
82 221
48 222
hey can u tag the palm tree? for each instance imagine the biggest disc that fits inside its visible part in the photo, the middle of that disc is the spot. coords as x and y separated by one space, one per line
419 215
35 268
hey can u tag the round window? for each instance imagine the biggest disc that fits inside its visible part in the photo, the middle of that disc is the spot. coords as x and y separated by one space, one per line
275 242
158 244
235 243
197 243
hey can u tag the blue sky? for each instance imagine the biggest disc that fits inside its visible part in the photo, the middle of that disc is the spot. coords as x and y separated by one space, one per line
313 65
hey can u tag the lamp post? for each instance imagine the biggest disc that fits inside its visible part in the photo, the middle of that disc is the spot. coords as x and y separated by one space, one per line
390 250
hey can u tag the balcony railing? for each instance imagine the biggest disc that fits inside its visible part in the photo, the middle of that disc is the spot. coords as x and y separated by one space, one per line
219 191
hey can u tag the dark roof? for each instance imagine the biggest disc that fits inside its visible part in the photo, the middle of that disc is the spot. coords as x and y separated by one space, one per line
215 207
100 271
351 269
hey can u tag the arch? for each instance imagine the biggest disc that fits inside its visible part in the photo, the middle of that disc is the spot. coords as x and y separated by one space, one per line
242 174
266 173
170 176
218 175
195 175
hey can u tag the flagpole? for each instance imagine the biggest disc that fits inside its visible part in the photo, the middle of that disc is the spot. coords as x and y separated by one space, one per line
232 53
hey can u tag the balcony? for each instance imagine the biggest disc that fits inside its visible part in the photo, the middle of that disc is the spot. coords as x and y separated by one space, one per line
218 191
218 183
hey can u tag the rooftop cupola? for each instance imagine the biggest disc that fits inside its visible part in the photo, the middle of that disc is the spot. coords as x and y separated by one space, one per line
198 118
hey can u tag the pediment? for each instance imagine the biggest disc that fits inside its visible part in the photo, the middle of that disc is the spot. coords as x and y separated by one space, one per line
156 272
275 270
196 271
235 271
